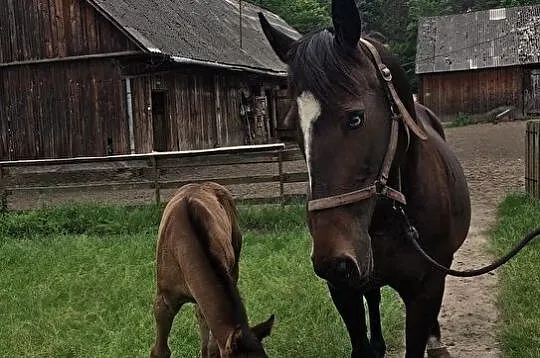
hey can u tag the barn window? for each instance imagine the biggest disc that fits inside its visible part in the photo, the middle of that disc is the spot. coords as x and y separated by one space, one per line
497 14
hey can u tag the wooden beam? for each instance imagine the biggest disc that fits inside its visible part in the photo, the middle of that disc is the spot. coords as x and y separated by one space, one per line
72 58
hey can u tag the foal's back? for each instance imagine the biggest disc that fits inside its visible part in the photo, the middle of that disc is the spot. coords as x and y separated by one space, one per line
198 231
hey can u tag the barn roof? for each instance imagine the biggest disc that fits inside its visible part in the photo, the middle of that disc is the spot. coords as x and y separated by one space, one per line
482 39
205 32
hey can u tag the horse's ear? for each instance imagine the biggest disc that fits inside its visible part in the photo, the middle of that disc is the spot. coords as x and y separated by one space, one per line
347 23
280 42
263 330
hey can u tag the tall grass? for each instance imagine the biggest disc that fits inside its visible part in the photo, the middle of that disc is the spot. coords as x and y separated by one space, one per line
79 282
519 293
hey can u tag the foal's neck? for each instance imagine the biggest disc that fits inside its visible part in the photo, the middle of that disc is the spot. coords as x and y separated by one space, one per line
224 311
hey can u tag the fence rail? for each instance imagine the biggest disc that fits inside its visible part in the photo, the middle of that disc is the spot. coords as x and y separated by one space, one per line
532 158
243 165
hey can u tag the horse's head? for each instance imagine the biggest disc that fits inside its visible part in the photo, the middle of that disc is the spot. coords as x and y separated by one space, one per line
344 128
244 343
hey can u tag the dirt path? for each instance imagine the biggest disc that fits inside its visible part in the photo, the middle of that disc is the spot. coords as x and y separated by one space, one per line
492 157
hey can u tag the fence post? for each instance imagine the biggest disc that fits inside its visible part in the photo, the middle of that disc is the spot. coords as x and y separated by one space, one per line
156 175
532 158
3 193
281 177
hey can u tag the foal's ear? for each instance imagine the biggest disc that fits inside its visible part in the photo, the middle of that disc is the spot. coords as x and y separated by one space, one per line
280 42
263 330
347 23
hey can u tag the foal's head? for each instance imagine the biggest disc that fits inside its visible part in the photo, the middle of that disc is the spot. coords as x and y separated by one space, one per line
343 118
244 343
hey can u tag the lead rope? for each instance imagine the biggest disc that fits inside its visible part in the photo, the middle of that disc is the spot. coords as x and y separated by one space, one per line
412 235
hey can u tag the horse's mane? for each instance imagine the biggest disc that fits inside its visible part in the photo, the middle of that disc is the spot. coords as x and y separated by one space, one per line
332 73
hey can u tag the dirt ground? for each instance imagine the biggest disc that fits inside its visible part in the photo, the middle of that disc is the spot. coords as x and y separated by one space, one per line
493 160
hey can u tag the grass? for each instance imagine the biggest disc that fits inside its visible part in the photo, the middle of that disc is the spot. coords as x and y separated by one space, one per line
79 282
520 278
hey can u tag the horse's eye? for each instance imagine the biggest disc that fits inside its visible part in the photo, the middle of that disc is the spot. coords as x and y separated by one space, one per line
356 119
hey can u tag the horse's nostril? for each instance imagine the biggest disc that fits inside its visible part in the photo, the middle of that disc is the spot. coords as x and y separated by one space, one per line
338 269
346 268
341 267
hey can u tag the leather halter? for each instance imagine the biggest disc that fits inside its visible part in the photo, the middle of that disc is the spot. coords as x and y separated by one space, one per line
379 187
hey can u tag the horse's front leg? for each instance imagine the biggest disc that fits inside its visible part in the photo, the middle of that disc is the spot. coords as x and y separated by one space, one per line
422 307
373 298
350 305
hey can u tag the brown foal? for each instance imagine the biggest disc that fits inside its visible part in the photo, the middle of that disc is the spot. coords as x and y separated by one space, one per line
197 259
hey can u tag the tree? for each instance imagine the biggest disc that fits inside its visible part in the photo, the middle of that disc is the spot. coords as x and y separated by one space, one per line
303 15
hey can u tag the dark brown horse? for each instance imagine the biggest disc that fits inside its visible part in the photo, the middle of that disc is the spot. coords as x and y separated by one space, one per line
376 163
197 259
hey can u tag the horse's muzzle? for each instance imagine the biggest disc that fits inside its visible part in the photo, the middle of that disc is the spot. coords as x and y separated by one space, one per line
342 270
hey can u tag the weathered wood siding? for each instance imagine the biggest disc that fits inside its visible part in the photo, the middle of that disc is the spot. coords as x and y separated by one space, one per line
37 29
61 110
203 109
472 92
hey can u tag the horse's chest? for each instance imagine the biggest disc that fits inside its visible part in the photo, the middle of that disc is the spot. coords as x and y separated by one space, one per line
396 261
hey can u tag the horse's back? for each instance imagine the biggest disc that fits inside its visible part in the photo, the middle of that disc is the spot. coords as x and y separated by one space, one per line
429 119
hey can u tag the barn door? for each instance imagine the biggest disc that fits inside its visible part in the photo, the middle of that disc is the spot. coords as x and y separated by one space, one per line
532 100
160 121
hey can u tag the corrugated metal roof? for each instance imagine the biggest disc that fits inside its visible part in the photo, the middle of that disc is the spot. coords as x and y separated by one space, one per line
206 31
482 39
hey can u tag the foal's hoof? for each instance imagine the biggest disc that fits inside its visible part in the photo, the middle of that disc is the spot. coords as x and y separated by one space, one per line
441 352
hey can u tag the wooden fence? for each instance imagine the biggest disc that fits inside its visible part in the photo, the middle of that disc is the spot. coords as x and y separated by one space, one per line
231 166
532 158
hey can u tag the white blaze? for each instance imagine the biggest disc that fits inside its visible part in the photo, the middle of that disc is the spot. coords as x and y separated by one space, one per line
309 110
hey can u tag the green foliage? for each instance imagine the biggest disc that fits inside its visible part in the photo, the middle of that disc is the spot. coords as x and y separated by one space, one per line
303 15
519 278
68 289
462 119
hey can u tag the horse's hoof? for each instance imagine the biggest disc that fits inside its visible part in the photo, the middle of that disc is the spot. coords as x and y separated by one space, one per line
440 352
156 352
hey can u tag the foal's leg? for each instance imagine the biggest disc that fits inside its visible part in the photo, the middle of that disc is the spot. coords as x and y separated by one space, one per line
165 308
204 333
422 308
350 305
373 299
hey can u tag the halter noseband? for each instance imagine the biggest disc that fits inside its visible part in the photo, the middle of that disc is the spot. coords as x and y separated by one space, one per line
380 186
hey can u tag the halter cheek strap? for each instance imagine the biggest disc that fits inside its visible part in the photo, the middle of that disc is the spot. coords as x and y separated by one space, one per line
387 77
379 187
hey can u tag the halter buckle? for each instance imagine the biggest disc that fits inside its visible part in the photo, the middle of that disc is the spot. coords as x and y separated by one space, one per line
385 72
380 187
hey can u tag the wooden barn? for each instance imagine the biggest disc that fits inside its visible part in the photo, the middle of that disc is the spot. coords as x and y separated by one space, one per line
107 77
481 61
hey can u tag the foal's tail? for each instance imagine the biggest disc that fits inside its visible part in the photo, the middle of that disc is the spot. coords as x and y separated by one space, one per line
213 232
